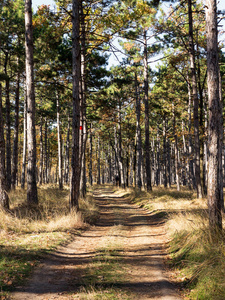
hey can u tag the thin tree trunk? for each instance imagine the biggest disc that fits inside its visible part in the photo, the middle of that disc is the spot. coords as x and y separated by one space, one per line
99 165
176 151
120 155
60 168
138 130
32 197
83 99
147 142
168 162
46 158
215 121
41 153
165 181
4 199
221 140
195 101
91 158
158 167
16 135
24 140
191 179
75 161
67 156
8 130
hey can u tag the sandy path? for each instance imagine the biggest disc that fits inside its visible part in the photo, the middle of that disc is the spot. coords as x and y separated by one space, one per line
142 238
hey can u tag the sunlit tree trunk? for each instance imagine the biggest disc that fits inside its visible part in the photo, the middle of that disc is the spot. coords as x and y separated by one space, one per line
60 164
195 101
24 140
165 179
8 127
191 179
138 130
46 158
98 162
67 155
147 142
83 104
91 157
75 160
4 199
41 153
215 120
16 135
176 151
158 166
32 197
120 151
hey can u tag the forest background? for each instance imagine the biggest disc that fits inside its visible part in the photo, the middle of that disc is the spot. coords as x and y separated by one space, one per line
147 126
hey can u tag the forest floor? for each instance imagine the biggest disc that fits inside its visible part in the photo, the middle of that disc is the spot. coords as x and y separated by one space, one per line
121 257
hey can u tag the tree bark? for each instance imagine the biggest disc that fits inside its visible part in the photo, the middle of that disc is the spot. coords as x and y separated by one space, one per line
75 160
147 142
176 151
16 135
41 153
165 179
60 168
138 130
83 104
32 197
91 158
195 101
67 156
46 158
4 199
8 129
215 121
120 153
24 140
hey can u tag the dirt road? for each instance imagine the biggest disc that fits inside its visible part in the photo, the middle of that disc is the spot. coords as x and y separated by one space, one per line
119 258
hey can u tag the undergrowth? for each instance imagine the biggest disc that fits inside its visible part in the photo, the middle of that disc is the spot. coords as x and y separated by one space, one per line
198 262
27 233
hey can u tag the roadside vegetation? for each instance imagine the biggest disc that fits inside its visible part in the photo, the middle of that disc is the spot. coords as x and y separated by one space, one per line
28 233
197 261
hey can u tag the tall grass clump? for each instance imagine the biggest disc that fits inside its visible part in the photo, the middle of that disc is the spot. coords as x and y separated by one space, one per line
52 213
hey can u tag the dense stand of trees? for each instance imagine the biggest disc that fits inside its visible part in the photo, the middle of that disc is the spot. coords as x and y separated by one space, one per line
68 119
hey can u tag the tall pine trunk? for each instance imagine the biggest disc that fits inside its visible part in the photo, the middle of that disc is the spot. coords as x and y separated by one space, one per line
215 121
195 101
16 135
138 133
8 128
176 151
91 157
24 140
32 197
4 199
60 164
147 142
120 150
67 155
83 104
75 160
41 153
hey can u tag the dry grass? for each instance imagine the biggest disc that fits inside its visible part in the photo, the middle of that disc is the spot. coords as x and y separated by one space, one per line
199 262
26 233
52 213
